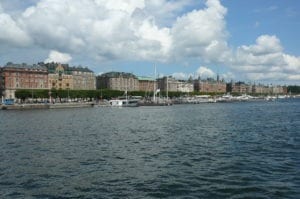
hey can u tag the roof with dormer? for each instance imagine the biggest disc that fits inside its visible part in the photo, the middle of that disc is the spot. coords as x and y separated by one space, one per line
118 75
24 66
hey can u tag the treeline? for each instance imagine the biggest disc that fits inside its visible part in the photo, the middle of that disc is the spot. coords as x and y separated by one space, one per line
96 94
72 94
109 94
293 89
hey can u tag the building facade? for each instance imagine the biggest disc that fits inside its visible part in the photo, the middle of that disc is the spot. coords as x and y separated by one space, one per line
44 76
239 88
62 76
172 85
22 76
118 81
271 90
83 78
210 86
147 84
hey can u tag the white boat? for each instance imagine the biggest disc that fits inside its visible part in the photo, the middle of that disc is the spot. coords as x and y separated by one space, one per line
225 98
270 98
124 102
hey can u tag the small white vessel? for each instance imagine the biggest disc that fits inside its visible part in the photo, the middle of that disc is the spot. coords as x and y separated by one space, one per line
124 102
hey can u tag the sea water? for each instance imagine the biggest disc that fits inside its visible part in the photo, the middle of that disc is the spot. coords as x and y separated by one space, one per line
221 150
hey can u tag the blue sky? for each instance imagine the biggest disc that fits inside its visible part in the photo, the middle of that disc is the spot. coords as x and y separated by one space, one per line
246 20
253 41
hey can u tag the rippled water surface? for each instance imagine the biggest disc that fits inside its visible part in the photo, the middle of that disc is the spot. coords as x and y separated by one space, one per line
233 150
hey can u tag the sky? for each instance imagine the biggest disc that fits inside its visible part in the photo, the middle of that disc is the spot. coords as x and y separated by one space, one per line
253 41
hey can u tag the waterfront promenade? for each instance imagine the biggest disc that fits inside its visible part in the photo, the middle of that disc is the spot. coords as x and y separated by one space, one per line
46 106
185 100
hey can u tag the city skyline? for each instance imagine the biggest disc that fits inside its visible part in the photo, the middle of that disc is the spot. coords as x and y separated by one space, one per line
244 41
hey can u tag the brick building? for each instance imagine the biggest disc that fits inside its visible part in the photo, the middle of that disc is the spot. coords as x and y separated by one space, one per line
147 84
240 88
118 81
22 76
62 76
210 85
172 84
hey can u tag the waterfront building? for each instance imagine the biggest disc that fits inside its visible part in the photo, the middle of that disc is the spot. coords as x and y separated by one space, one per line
118 81
173 85
279 90
59 77
147 84
239 88
270 90
210 85
185 86
83 78
260 89
22 76
62 76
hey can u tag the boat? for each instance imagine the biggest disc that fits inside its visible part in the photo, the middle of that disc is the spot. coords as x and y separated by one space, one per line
270 98
225 98
158 102
124 102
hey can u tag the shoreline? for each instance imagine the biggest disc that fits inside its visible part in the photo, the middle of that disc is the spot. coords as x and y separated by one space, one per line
45 106
101 104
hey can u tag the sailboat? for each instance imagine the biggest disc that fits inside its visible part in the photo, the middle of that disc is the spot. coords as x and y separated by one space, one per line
156 101
124 102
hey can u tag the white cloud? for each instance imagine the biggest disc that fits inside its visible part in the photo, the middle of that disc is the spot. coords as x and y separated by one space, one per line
104 30
165 12
181 75
205 72
201 34
128 6
265 44
11 33
142 30
55 56
266 60
127 29
228 76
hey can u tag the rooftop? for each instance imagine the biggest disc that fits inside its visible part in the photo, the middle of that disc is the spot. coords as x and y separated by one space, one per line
118 74
52 66
24 66
144 78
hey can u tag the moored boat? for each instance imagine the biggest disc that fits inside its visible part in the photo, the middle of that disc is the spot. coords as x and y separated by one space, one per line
124 102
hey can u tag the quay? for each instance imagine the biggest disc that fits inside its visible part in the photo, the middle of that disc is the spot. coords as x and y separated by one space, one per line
46 106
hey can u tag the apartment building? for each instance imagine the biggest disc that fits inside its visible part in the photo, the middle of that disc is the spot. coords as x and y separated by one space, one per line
118 81
22 76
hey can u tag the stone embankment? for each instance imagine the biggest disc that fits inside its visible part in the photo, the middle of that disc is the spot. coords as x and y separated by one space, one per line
45 106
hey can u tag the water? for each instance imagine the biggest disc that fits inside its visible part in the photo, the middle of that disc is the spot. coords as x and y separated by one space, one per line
233 150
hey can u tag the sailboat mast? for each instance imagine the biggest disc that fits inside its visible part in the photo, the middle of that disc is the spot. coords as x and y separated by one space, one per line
154 85
167 88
